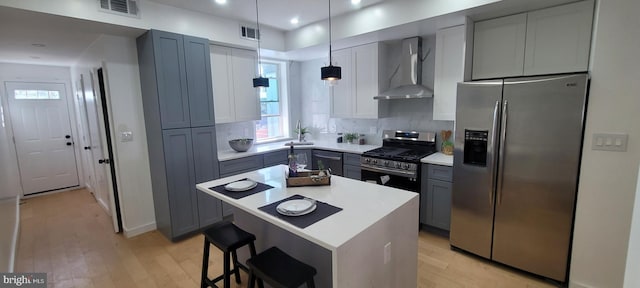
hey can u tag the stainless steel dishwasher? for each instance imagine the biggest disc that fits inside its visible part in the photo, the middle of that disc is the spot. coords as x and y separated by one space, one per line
329 159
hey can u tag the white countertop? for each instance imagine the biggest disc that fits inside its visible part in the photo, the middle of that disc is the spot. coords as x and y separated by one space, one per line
438 158
363 204
257 149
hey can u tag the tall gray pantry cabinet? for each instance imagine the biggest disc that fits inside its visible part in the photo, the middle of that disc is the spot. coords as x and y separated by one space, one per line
177 95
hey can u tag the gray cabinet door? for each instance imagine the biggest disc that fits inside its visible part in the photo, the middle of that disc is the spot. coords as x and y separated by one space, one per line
438 212
206 169
181 181
353 172
171 80
276 158
240 165
198 69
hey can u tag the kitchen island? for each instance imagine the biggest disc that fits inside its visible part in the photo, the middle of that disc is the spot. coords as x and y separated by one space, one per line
372 242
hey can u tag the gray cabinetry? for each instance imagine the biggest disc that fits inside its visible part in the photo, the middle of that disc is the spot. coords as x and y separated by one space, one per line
240 165
435 196
351 167
178 110
276 158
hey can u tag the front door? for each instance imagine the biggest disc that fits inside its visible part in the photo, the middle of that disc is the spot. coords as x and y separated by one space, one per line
42 135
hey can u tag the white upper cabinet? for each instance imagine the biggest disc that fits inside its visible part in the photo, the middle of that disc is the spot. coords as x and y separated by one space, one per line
341 100
547 41
559 39
449 70
498 47
232 72
353 96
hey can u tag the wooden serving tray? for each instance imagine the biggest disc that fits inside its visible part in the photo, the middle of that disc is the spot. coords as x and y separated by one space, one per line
310 178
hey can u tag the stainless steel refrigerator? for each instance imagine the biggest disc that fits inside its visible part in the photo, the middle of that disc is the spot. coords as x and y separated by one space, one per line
516 163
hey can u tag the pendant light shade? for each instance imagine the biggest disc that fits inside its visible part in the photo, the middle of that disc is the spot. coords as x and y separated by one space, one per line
330 73
259 82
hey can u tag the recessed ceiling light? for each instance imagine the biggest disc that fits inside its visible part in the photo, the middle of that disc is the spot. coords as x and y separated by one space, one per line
294 20
221 2
38 45
355 2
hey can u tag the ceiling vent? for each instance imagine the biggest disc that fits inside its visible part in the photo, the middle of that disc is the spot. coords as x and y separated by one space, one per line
247 32
128 7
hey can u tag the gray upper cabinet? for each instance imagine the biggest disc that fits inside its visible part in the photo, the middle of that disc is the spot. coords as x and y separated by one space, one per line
171 75
498 47
546 41
175 78
198 69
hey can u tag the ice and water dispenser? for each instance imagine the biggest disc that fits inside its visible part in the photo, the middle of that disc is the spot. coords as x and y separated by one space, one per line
475 147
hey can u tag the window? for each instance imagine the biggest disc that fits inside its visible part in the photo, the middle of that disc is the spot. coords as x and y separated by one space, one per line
273 103
36 95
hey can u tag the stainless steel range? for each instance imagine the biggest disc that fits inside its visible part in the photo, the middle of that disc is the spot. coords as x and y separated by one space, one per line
397 162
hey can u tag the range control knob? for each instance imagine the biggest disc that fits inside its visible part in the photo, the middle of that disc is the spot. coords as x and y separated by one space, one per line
375 161
386 163
398 165
367 160
406 166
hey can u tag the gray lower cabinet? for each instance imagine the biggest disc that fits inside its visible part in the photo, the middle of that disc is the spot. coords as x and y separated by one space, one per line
276 158
240 165
178 107
435 196
351 167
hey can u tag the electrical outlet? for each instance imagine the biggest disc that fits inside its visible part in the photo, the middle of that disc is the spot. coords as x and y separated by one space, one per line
610 142
126 136
387 253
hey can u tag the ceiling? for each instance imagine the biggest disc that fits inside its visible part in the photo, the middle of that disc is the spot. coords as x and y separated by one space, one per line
273 13
64 39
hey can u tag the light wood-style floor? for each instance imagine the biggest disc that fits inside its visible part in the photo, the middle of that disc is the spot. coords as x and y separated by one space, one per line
69 236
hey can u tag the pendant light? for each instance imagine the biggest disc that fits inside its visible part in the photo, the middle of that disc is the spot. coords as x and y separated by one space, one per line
330 73
259 82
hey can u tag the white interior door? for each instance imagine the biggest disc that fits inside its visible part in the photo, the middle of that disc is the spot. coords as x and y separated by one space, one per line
97 155
42 135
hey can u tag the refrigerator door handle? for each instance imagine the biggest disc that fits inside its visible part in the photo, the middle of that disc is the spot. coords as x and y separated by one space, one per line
494 140
503 144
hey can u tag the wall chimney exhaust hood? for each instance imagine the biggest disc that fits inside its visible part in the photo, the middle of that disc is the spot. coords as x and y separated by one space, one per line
410 72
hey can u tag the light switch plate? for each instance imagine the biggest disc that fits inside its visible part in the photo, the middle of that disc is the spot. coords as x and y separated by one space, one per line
610 142
126 136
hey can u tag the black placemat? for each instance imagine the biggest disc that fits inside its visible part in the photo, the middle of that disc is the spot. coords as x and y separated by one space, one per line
323 210
237 195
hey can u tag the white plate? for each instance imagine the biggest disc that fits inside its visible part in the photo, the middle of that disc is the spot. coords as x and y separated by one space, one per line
311 209
240 186
295 206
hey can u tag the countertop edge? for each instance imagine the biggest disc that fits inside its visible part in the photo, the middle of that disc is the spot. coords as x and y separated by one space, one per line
438 158
259 149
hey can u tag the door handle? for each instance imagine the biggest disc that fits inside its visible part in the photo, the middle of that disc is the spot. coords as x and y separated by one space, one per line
503 147
69 143
492 148
104 161
87 147
67 136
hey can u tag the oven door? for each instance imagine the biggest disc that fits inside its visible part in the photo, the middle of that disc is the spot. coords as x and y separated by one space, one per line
395 181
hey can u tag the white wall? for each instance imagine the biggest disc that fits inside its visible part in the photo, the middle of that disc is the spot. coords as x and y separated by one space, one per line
155 15
376 17
9 172
408 114
631 277
608 179
118 56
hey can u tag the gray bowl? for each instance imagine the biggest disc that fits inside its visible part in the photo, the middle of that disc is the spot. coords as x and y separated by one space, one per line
241 145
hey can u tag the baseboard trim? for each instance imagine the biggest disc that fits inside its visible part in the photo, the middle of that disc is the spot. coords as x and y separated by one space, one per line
573 284
139 230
